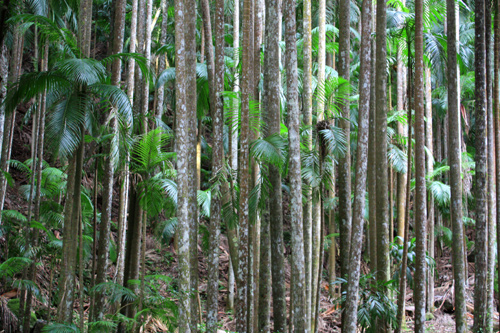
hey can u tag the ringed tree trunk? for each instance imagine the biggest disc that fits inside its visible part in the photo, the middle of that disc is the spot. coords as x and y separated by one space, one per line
481 285
217 165
182 146
272 93
420 188
244 236
372 157
317 195
73 199
344 174
298 270
496 96
491 165
382 199
430 200
351 306
104 234
307 119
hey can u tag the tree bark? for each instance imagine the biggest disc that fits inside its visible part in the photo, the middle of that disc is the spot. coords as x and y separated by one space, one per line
351 305
298 270
481 241
307 119
420 187
382 200
217 165
244 237
182 148
344 170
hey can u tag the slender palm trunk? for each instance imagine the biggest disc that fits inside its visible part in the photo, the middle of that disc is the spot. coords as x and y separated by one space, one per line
430 200
372 157
344 170
298 270
272 93
491 164
182 148
401 324
480 292
316 200
382 199
307 118
496 106
351 306
244 248
104 234
217 165
420 188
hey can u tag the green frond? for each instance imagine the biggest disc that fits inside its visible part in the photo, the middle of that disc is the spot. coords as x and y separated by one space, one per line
60 328
12 266
397 158
440 192
84 72
272 149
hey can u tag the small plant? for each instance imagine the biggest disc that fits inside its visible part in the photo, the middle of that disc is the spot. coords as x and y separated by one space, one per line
375 304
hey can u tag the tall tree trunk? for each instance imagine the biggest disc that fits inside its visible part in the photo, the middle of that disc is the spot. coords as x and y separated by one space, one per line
73 200
372 156
109 163
351 305
244 236
402 131
272 93
496 106
307 119
298 271
317 198
191 102
10 118
182 147
420 188
217 165
344 174
481 241
491 165
406 211
430 200
454 157
382 200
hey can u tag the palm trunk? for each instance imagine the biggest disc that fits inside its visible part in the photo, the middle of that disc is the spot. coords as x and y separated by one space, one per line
244 248
372 157
316 195
351 306
272 93
217 165
297 307
430 200
182 148
381 149
491 166
307 118
401 324
105 232
481 241
344 170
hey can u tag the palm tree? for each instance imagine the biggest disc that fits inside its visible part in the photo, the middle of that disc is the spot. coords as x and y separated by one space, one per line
480 293
182 149
297 262
217 165
350 313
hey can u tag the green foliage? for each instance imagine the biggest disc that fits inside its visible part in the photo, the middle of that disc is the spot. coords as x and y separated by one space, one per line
374 303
